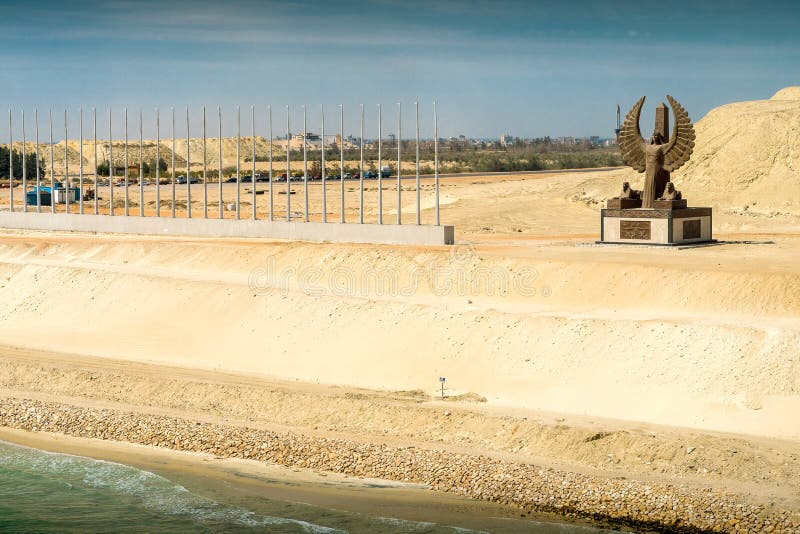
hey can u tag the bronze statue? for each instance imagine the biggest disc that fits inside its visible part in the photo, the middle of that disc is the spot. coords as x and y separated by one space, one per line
656 157
629 193
670 193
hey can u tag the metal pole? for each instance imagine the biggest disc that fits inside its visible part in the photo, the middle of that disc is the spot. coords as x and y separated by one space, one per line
205 180
269 112
253 178
399 160
380 172
436 160
172 214
66 165
305 164
288 168
238 147
94 137
10 160
341 162
80 171
24 170
219 164
141 167
416 111
127 184
52 167
361 172
322 149
38 167
110 165
188 171
158 163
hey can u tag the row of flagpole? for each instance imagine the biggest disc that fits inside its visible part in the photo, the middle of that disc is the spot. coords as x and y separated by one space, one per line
96 206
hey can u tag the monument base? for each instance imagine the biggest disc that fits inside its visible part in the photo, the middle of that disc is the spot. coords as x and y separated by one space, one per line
658 226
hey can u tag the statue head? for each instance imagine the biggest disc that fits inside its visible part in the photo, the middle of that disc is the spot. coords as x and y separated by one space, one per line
626 186
657 139
670 187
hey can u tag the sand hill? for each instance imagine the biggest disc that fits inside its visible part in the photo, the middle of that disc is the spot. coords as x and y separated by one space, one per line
748 154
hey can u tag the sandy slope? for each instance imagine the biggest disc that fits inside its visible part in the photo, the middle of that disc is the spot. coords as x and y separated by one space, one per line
679 337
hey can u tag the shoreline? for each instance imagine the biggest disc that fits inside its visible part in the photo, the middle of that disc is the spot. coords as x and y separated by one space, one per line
247 479
623 502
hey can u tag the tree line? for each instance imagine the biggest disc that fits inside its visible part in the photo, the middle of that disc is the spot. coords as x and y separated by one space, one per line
30 164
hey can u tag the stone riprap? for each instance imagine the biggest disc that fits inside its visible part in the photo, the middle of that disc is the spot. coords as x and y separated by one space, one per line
661 507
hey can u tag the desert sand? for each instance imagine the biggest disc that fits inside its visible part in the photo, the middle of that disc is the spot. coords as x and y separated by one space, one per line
684 361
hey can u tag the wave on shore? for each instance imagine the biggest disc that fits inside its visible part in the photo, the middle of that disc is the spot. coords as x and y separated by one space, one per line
41 490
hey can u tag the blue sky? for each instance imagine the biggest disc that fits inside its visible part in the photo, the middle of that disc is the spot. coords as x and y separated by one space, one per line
527 68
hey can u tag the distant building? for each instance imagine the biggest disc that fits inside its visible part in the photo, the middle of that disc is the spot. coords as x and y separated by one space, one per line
506 139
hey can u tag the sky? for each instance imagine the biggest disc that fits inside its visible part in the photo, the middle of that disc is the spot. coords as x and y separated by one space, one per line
528 68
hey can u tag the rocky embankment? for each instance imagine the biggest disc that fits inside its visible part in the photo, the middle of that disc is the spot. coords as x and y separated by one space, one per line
619 501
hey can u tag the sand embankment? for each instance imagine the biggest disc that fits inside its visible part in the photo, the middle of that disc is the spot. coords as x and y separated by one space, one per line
643 475
701 339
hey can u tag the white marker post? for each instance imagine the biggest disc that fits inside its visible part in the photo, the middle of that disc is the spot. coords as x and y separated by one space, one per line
322 149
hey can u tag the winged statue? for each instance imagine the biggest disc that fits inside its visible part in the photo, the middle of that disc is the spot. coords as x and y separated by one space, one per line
656 155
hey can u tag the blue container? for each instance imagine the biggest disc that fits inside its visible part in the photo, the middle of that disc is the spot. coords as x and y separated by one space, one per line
44 193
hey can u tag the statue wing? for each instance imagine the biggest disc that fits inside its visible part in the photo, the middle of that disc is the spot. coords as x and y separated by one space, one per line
681 142
631 144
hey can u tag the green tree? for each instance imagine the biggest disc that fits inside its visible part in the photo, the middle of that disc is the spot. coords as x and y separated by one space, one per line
103 168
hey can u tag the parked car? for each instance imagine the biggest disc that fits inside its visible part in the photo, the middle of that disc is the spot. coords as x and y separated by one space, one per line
348 176
180 179
262 177
386 171
247 180
231 180
370 175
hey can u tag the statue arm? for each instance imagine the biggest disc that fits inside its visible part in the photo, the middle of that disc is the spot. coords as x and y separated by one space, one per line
631 144
681 142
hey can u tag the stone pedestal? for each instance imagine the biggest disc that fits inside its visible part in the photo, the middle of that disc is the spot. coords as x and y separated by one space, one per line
669 223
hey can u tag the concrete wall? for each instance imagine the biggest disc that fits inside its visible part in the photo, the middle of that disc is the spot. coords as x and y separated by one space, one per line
299 231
